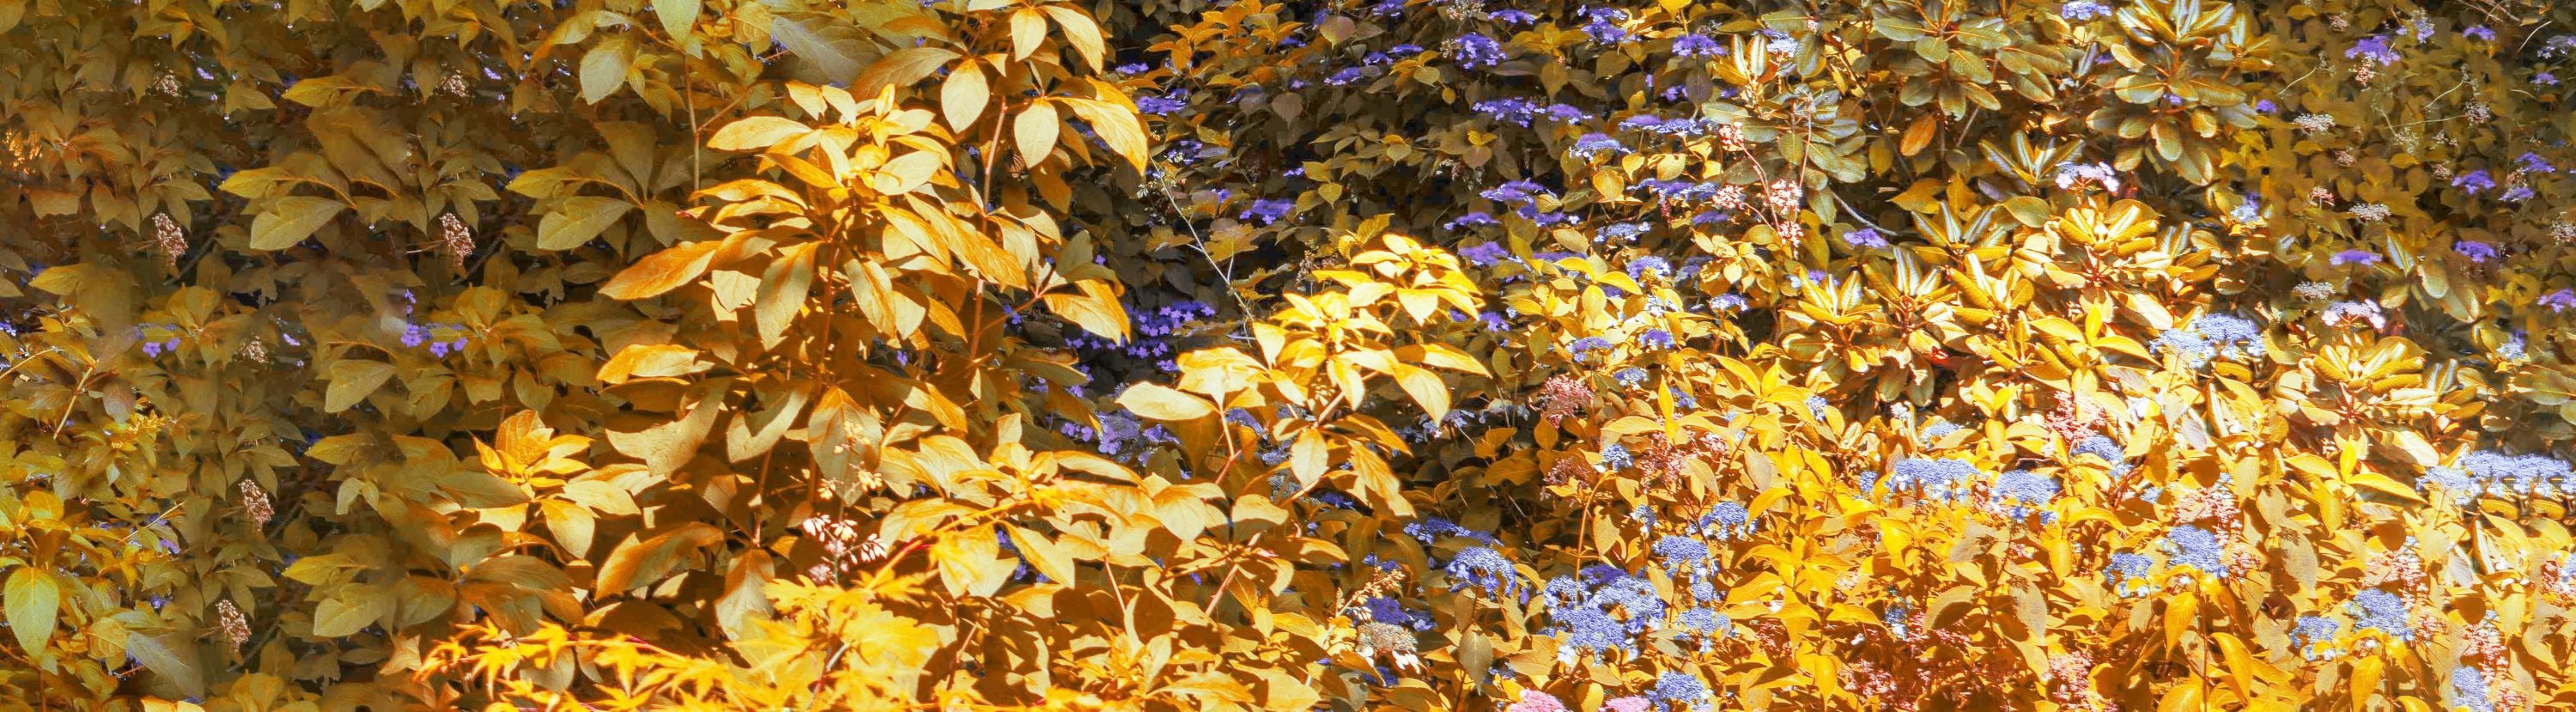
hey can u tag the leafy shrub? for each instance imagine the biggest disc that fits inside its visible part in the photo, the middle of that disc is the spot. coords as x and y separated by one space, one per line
1423 354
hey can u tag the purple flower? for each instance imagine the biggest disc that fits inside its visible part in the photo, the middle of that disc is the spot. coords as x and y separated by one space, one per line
1697 46
2379 610
1864 239
1566 113
414 335
1266 212
1589 344
1623 232
2479 33
2354 257
1650 264
1161 105
2532 162
1645 122
1603 24
1656 339
1512 17
2476 251
2373 48
2474 181
1471 219
1595 143
2265 106
1514 110
1485 254
1346 77
1485 569
1727 302
2082 10
2545 79
1494 321
2516 194
1516 192
1475 51
2559 301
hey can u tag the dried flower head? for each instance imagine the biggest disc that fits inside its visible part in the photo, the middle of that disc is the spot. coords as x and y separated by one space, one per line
255 501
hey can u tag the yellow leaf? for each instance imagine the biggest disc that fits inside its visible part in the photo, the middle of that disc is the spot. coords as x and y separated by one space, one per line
290 219
678 17
756 133
33 599
1028 31
1035 131
642 560
651 361
1082 32
662 271
1116 125
577 220
1161 403
963 96
352 380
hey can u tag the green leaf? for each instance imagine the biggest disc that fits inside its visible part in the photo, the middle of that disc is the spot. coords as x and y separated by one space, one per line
352 380
640 562
34 597
290 220
578 220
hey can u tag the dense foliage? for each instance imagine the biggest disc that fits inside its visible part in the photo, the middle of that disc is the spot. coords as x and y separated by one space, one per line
1361 354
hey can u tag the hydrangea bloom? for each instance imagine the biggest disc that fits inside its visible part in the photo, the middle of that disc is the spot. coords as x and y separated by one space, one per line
2128 573
1472 219
1615 456
2082 10
1535 701
1727 520
1485 569
1593 144
2314 634
2194 547
2382 611
1603 24
2104 447
1939 479
1265 212
1865 239
2025 488
1656 339
2477 252
1512 110
2354 257
1163 105
1682 687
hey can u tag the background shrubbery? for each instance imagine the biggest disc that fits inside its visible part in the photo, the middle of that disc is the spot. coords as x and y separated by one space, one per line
735 354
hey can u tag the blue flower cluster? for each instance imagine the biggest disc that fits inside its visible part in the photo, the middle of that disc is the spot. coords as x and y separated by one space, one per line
1475 51
2193 547
1727 521
1485 569
2102 446
2213 336
1432 529
1943 479
2028 492
2131 574
2316 637
2382 611
2493 473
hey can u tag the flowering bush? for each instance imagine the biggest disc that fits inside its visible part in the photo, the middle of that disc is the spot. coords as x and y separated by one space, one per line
1363 354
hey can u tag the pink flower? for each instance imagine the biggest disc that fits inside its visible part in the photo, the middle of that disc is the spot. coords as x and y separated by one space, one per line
1536 701
1628 704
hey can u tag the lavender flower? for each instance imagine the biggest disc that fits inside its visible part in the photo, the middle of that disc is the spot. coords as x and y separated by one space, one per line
1162 105
1593 144
2474 181
1697 46
1265 212
1939 479
2559 301
2479 33
2313 634
2469 689
1650 264
2083 10
1472 219
2477 252
1512 17
2374 48
1865 239
2354 256
2129 572
1475 51
1602 24
1484 254
2532 162
1615 456
1682 687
